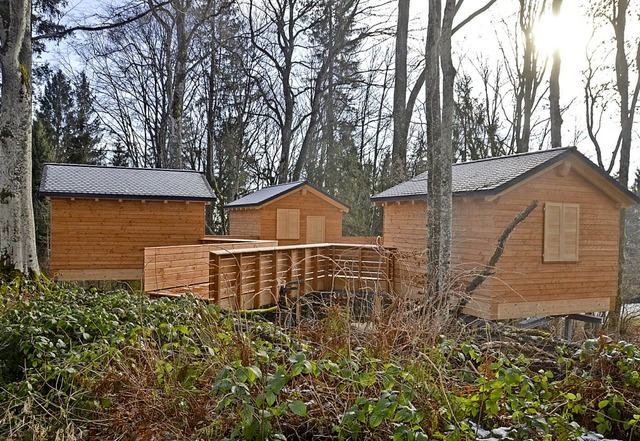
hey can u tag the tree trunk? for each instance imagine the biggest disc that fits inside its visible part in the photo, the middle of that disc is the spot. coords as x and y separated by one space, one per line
554 89
627 112
17 227
174 145
445 146
400 123
434 123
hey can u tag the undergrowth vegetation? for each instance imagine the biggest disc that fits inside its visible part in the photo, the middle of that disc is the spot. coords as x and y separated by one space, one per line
87 364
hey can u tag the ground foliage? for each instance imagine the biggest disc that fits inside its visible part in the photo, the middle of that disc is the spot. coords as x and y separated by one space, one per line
82 363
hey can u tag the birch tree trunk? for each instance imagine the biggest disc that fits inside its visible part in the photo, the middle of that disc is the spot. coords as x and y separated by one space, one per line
17 228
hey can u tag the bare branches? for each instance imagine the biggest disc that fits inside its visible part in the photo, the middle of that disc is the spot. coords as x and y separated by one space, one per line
472 15
103 27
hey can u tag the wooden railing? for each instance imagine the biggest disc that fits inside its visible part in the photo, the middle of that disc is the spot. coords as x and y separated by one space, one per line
187 266
251 278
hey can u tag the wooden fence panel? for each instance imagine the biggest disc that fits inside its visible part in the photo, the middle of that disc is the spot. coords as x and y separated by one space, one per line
251 278
186 265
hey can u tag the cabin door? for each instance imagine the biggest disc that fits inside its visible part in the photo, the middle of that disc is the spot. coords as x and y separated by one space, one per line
315 229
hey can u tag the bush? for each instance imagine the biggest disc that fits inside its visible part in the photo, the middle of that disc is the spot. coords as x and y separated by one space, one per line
83 363
55 342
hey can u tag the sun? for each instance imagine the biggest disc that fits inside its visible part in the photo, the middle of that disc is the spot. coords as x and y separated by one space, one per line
567 32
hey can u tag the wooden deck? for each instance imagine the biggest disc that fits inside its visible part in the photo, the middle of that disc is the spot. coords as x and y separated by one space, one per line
251 275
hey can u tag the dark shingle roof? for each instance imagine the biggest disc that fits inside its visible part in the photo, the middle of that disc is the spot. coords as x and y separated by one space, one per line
490 176
70 180
267 194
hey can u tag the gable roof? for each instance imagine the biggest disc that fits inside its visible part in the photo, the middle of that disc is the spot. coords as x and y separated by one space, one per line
492 176
270 194
90 181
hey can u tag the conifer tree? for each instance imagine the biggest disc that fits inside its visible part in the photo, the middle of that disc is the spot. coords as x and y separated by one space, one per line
67 119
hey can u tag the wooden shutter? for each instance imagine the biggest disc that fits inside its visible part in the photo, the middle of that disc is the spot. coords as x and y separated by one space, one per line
288 223
561 232
552 229
570 222
315 229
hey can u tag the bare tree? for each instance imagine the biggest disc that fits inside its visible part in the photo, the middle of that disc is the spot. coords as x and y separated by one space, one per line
275 30
615 13
525 73
401 109
555 113
439 61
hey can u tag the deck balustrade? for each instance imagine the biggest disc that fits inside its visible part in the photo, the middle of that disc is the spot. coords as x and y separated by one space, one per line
251 275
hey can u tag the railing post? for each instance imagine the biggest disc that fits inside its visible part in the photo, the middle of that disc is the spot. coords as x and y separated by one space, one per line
239 277
359 267
303 270
316 268
274 276
258 293
215 274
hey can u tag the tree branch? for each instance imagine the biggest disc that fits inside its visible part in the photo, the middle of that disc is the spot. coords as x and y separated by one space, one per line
472 16
103 27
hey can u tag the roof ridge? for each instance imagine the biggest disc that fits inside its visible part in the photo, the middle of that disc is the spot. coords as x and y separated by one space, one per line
284 183
518 155
117 167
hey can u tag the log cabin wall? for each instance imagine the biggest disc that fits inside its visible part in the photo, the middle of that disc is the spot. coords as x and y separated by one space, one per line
104 239
472 245
309 204
405 228
265 217
525 285
244 222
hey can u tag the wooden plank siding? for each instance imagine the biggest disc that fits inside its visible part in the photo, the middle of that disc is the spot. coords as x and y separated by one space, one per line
187 265
405 228
557 287
245 222
261 221
523 285
104 239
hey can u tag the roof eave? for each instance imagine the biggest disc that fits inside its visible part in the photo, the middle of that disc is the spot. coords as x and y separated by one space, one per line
123 196
404 198
628 198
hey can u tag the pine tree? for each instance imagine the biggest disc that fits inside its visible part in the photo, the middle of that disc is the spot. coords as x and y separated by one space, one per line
55 106
68 120
120 157
65 129
84 133
41 153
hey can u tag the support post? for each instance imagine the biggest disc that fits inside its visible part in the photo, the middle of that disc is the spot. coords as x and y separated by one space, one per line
568 328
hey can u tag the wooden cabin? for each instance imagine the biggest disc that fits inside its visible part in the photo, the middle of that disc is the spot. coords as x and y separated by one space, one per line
102 218
562 259
293 214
